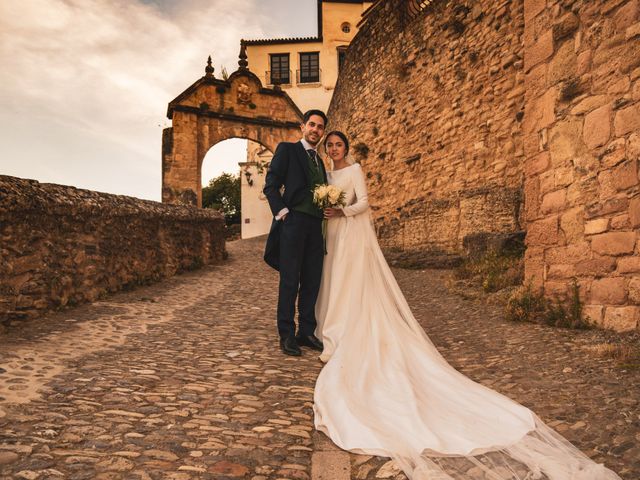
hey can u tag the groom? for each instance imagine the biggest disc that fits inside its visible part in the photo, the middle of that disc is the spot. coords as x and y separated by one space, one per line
295 245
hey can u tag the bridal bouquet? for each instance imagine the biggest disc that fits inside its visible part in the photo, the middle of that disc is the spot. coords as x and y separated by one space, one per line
327 196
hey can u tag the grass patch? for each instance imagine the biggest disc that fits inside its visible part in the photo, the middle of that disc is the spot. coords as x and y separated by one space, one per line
626 356
493 271
525 305
615 351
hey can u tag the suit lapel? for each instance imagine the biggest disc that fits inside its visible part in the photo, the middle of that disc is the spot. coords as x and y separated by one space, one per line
303 158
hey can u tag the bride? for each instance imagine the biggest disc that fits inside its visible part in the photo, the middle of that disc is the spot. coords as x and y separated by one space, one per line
386 390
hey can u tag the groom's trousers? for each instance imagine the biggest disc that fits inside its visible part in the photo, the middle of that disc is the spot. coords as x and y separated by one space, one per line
301 257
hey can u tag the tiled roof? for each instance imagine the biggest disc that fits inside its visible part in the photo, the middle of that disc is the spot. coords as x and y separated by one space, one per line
274 41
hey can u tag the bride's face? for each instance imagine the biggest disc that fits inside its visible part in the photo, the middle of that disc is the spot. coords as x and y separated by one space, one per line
335 148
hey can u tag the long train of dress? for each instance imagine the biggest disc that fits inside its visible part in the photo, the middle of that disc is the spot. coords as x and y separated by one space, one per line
386 390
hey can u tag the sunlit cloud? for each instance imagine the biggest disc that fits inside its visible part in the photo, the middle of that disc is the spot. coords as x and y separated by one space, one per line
85 83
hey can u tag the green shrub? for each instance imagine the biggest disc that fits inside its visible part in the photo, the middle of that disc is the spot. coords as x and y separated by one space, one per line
525 306
493 271
529 306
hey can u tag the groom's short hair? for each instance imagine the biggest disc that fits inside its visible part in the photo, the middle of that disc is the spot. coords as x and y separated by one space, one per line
307 115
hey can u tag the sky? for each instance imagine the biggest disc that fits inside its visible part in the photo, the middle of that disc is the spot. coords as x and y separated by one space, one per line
84 84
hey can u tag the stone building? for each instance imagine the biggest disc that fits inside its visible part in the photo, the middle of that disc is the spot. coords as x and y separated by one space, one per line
307 70
495 117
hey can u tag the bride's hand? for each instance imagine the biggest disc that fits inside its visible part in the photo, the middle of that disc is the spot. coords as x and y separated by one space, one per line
333 212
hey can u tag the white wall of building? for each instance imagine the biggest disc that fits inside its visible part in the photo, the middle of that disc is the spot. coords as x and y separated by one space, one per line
255 212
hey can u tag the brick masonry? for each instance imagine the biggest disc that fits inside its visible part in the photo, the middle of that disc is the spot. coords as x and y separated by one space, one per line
64 246
499 116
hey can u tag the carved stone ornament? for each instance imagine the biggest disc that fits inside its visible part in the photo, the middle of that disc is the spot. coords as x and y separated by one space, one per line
244 94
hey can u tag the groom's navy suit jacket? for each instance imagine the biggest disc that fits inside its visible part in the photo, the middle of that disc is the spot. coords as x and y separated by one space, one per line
289 168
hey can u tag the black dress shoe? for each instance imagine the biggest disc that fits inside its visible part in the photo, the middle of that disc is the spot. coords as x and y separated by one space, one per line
289 346
310 341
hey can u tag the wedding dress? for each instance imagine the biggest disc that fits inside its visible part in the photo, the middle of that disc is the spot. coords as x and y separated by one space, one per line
386 390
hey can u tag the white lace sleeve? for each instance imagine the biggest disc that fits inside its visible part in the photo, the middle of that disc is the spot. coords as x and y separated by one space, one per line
362 200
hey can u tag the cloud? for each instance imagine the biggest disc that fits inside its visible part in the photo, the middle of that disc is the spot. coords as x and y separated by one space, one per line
85 83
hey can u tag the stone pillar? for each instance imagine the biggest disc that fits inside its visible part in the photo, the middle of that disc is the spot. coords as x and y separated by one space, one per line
180 166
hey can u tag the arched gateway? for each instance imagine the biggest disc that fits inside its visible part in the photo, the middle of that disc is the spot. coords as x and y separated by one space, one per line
212 110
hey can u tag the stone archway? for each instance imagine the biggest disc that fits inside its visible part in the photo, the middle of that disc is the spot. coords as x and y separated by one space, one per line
212 110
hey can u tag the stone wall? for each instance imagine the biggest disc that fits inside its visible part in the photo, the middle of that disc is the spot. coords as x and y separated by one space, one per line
476 117
63 246
433 106
582 146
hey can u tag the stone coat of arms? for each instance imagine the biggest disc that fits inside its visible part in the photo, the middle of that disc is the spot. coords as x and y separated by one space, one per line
244 94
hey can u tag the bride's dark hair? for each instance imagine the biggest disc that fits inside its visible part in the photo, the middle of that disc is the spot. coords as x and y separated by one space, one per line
342 136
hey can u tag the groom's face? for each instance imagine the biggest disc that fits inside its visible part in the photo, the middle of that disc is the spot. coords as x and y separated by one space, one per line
313 129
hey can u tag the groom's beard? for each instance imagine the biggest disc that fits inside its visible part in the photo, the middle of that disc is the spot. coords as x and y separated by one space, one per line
311 142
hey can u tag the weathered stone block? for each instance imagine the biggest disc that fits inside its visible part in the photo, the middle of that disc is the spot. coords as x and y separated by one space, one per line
583 65
590 103
619 87
607 185
598 266
565 142
614 243
632 31
634 290
564 176
615 153
572 224
596 226
554 201
537 164
621 319
634 212
535 82
565 26
573 253
627 15
593 314
597 127
547 182
609 206
629 264
534 271
620 222
533 8
625 175
560 270
543 232
541 50
627 120
609 291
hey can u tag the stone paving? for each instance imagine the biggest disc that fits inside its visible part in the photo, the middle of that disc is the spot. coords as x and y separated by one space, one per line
184 380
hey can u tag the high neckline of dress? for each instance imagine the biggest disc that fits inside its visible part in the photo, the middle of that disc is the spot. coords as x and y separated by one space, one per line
343 168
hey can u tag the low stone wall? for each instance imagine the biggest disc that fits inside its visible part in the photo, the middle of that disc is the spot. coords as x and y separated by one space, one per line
61 246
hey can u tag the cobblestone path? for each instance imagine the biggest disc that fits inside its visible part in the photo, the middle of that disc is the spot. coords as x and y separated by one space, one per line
184 380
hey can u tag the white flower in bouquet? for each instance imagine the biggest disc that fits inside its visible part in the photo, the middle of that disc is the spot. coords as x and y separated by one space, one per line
335 194
319 194
328 196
